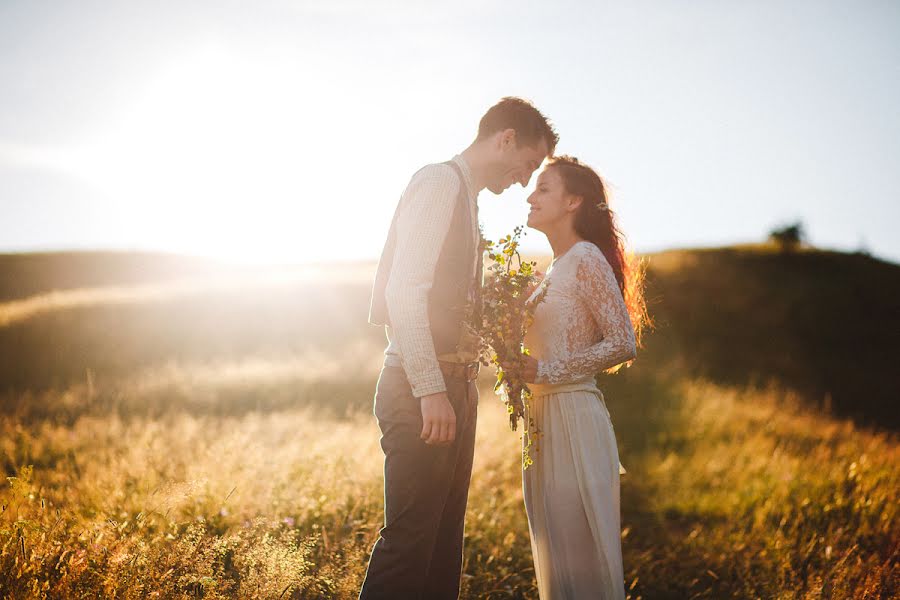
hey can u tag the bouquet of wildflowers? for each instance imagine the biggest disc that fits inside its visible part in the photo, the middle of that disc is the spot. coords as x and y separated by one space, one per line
505 316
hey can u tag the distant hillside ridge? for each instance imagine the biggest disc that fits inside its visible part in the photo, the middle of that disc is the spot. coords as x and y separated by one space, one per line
825 323
31 273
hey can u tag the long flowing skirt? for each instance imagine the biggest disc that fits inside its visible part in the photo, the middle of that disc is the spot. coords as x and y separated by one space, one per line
572 496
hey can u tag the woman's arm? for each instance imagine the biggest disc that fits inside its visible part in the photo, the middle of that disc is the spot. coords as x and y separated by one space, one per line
596 286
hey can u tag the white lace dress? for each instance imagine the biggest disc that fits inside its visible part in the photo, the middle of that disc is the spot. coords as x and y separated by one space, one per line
572 490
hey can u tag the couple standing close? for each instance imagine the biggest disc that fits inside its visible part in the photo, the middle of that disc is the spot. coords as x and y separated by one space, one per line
426 398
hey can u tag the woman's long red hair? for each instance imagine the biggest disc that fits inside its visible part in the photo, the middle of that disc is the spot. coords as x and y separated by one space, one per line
598 225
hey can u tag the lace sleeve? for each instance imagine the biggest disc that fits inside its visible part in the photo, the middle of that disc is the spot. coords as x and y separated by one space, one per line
597 287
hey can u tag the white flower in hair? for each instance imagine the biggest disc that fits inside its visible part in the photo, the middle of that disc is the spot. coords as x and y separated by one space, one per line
603 205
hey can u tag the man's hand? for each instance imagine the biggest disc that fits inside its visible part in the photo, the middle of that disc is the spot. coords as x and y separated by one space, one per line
438 419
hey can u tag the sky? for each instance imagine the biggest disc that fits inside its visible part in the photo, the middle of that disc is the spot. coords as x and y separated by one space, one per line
285 131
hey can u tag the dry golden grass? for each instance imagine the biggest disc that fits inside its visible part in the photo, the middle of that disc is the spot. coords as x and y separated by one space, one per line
750 497
758 497
182 440
245 506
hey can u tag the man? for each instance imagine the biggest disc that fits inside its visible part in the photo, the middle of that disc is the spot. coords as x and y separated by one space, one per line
426 397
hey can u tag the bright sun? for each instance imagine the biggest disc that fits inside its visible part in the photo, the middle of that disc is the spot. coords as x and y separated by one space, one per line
216 157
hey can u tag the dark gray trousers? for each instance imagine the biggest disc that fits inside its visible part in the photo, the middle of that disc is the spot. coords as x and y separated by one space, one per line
419 552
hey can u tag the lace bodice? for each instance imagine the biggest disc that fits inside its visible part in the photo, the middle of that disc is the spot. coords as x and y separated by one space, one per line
582 326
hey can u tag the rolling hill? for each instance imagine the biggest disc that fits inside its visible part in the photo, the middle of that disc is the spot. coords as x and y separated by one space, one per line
825 324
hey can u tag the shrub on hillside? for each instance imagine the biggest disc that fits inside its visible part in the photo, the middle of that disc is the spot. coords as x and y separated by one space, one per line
789 237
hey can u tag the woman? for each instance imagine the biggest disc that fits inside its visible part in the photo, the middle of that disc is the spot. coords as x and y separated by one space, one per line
589 321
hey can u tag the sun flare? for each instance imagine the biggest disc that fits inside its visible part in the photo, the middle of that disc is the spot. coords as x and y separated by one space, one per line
217 153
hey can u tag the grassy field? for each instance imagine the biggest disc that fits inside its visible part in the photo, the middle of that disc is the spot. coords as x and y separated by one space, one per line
211 436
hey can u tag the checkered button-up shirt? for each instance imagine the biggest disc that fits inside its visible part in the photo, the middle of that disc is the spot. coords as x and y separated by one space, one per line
423 221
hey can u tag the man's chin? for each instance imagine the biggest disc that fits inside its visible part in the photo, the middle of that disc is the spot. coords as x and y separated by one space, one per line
498 187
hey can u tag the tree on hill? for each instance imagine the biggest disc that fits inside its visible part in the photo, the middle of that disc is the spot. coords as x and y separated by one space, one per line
789 237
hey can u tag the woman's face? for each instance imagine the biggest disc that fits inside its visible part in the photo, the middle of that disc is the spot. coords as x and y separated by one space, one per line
550 202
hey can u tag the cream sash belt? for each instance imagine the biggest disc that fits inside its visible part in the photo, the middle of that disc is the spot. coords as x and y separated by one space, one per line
544 389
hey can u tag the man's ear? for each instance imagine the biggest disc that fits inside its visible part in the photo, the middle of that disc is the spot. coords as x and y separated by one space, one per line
507 139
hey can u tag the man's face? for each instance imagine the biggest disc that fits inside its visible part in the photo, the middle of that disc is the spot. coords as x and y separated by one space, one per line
515 163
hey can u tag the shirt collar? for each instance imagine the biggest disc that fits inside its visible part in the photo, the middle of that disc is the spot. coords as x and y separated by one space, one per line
467 177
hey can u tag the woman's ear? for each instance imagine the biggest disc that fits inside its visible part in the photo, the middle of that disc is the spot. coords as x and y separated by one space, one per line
573 202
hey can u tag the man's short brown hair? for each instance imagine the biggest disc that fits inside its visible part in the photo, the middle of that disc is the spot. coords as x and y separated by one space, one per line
515 113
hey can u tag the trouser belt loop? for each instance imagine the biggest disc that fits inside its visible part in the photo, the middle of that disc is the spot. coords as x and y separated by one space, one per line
466 371
472 370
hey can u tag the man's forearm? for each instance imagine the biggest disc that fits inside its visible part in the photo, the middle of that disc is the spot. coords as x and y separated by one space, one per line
407 307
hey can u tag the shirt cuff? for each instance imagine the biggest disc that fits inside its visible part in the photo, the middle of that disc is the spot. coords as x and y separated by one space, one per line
428 383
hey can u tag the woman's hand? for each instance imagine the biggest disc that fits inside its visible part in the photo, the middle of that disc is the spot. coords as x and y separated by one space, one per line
540 278
529 369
